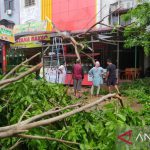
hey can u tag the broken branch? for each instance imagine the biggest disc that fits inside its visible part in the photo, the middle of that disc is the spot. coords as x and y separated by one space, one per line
11 80
23 128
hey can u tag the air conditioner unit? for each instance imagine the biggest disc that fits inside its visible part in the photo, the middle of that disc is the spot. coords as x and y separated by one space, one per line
9 12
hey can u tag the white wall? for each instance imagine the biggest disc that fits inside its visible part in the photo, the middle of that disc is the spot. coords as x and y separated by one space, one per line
103 10
15 12
104 5
30 13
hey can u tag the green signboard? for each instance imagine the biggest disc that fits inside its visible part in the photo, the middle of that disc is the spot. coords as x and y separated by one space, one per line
6 34
30 27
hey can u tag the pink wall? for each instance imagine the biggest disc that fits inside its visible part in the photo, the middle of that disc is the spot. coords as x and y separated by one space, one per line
73 15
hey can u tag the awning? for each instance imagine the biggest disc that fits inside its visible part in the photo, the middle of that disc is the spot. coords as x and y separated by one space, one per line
6 22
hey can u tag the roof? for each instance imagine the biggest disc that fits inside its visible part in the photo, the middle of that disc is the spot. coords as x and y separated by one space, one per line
6 22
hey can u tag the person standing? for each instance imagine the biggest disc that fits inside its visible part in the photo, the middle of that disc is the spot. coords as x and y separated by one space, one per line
61 74
97 75
111 76
77 75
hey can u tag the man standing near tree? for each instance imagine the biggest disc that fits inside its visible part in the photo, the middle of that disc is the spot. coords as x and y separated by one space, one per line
77 75
111 76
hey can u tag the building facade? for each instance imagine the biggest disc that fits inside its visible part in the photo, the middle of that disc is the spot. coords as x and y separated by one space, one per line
30 11
71 15
79 15
10 10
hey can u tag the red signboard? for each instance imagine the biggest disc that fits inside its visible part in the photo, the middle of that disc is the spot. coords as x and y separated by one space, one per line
74 15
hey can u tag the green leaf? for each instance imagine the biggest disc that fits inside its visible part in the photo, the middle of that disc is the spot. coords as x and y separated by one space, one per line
123 118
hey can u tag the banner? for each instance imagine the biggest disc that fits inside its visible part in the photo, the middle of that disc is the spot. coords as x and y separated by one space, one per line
6 34
31 41
30 27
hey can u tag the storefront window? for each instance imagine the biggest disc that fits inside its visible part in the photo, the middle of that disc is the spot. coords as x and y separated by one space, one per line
14 57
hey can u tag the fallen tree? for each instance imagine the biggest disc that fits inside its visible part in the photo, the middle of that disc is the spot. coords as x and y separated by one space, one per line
31 123
21 129
14 79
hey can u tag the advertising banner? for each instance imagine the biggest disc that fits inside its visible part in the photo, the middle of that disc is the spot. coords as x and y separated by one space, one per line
30 27
6 34
31 41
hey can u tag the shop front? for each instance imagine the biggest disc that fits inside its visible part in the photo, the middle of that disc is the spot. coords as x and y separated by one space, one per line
6 37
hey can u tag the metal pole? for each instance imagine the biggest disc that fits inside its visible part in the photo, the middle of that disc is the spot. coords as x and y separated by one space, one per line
118 56
92 47
118 43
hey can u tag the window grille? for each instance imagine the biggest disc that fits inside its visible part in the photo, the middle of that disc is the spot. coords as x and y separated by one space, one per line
8 5
29 3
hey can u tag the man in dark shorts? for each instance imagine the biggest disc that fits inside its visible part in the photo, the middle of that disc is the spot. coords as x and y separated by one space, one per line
77 75
111 76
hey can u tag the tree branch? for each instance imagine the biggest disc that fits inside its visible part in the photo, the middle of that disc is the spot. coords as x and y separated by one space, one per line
45 138
76 51
100 21
25 127
24 113
18 66
93 60
50 112
15 145
11 80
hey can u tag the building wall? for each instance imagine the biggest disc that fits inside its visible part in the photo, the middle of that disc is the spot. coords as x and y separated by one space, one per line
74 15
105 7
46 11
15 12
77 15
30 13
